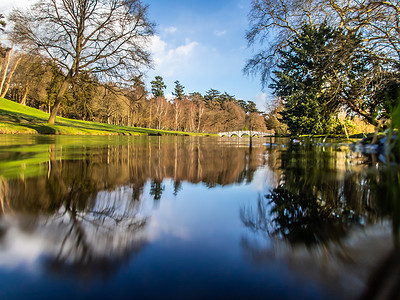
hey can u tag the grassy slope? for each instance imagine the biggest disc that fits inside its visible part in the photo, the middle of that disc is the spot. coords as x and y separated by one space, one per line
16 118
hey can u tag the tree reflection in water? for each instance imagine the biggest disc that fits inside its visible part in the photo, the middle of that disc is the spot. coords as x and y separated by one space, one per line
325 201
90 206
300 218
90 232
87 202
316 200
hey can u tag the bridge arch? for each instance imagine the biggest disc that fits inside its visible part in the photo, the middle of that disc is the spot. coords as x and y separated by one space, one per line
242 133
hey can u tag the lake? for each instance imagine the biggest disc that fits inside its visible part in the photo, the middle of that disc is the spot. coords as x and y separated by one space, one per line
195 218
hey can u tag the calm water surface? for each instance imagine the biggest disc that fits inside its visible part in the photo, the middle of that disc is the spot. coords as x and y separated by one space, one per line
194 218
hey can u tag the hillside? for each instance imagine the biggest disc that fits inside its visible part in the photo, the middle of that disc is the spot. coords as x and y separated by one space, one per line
19 119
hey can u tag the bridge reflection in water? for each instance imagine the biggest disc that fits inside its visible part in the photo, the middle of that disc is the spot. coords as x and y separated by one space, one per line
242 133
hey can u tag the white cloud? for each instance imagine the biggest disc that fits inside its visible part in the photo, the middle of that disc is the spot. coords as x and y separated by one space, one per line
186 49
261 100
264 178
169 96
220 32
171 29
157 48
7 5
242 4
168 59
20 249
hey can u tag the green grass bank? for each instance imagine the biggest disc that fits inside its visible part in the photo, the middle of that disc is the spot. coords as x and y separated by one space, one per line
19 119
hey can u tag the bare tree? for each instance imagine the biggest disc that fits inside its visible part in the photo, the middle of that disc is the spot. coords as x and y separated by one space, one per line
279 21
234 116
275 21
107 38
378 22
4 67
136 95
108 106
7 86
160 110
198 100
177 112
255 121
201 106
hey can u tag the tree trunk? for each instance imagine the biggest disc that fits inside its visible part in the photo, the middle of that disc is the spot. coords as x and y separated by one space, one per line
9 78
57 103
201 110
176 119
7 62
23 101
150 117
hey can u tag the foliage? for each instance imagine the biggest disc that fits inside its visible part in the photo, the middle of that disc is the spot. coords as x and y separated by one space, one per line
136 100
179 92
82 90
66 69
255 121
156 189
53 87
251 107
278 22
36 82
299 82
212 98
158 86
273 119
362 61
32 80
323 70
314 201
300 219
387 97
396 118
394 132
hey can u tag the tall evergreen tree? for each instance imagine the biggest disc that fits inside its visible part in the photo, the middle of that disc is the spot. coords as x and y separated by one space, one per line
243 105
251 107
179 92
211 97
300 81
158 86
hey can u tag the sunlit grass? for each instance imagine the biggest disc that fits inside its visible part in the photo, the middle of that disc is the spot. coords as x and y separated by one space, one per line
19 119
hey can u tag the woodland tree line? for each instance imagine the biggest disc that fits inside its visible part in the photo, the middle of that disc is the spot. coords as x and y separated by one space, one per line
35 80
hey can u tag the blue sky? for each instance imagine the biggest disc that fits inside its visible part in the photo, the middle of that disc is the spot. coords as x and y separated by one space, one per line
202 44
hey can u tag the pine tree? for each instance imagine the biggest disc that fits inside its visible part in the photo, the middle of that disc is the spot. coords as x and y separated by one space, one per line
158 86
179 92
300 81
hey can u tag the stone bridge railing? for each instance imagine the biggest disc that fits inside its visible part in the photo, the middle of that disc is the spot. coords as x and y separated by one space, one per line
247 133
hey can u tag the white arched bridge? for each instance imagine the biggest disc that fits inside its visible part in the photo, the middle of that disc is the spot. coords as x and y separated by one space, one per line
245 133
